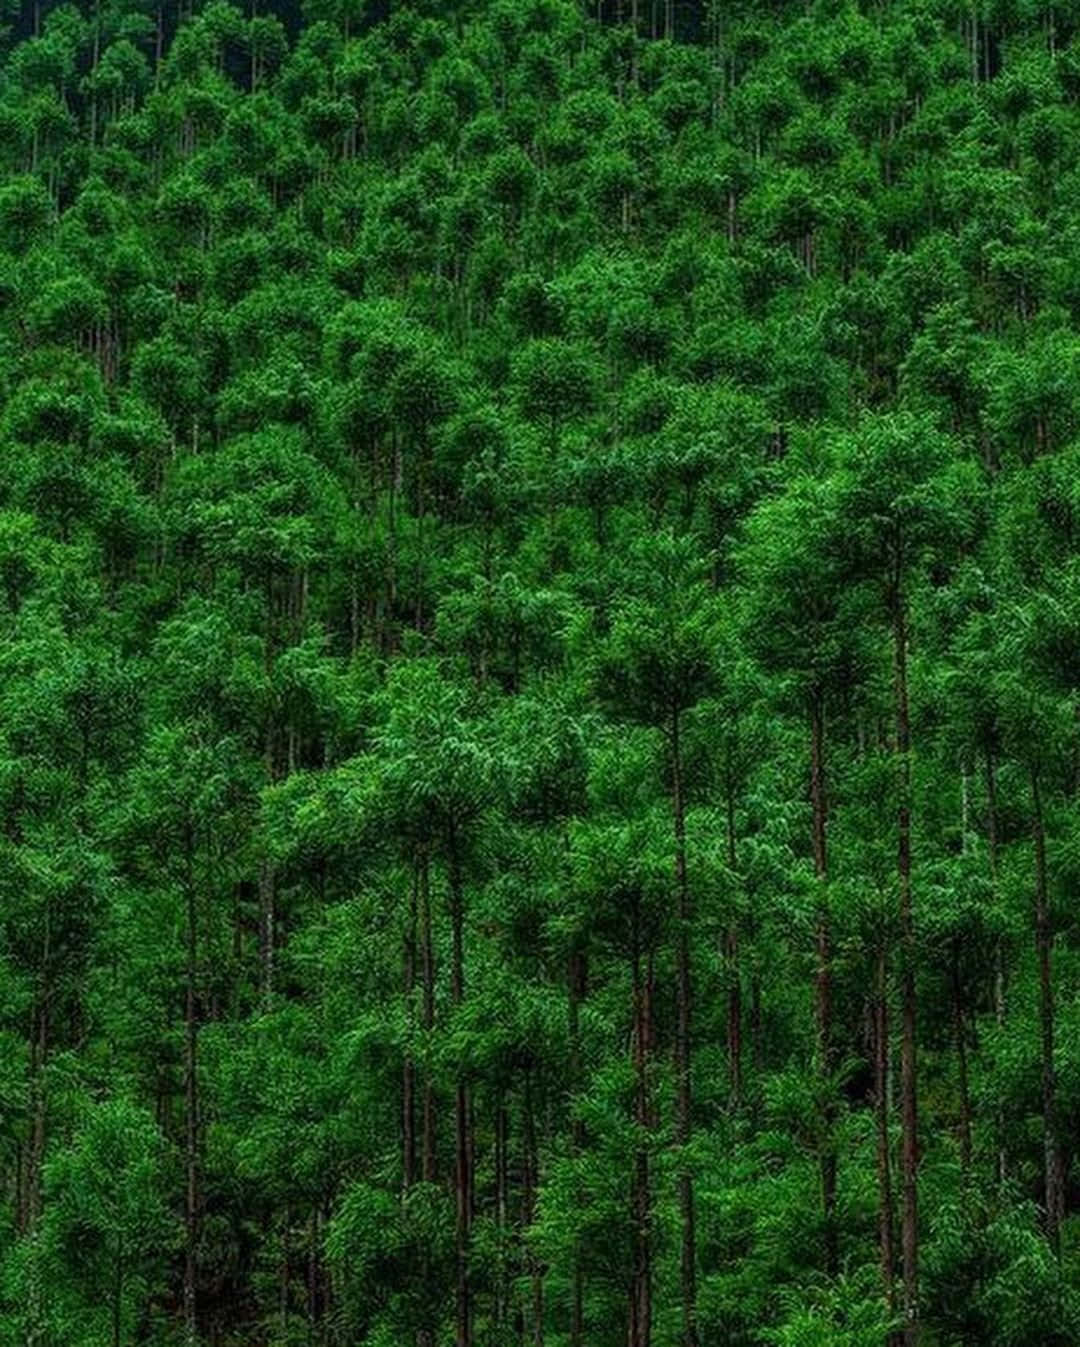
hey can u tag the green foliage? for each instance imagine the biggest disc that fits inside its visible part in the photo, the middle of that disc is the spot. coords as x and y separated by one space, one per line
468 473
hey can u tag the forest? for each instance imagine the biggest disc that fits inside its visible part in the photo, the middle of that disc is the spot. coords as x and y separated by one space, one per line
539 673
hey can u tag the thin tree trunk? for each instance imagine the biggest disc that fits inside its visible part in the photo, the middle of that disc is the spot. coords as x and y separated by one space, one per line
886 1243
428 975
960 1037
640 1319
536 1276
191 1103
266 868
908 1064
419 571
502 1204
118 1295
425 1336
392 544
1044 943
313 1275
462 1127
757 1037
284 1275
266 930
408 1077
577 983
684 1095
731 960
39 1052
999 951
823 980
39 1049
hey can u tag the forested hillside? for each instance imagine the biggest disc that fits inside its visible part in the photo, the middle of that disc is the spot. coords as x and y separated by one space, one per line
540 673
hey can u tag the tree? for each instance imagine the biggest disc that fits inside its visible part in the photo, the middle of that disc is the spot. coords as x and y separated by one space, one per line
443 769
804 624
538 775
655 666
909 497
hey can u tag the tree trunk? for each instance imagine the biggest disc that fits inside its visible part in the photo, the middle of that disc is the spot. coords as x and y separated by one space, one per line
408 1075
640 1317
428 974
684 1096
823 980
191 1103
419 568
1044 943
425 1336
313 1275
285 1275
577 980
266 930
908 1082
502 1204
462 1121
960 1037
270 760
757 1037
999 951
881 1111
532 1168
731 961
39 1048
118 1295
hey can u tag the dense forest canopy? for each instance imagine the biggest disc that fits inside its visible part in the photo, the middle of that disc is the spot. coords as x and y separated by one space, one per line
540 673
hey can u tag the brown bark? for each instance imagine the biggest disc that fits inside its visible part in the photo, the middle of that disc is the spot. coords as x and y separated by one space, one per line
823 979
684 1096
731 960
886 1242
313 1275
462 1113
418 570
1044 946
577 980
39 1048
191 1108
266 929
532 1179
908 1064
285 1274
960 1039
427 957
757 1038
118 1293
734 1015
408 1076
999 952
502 1195
639 1327
267 880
